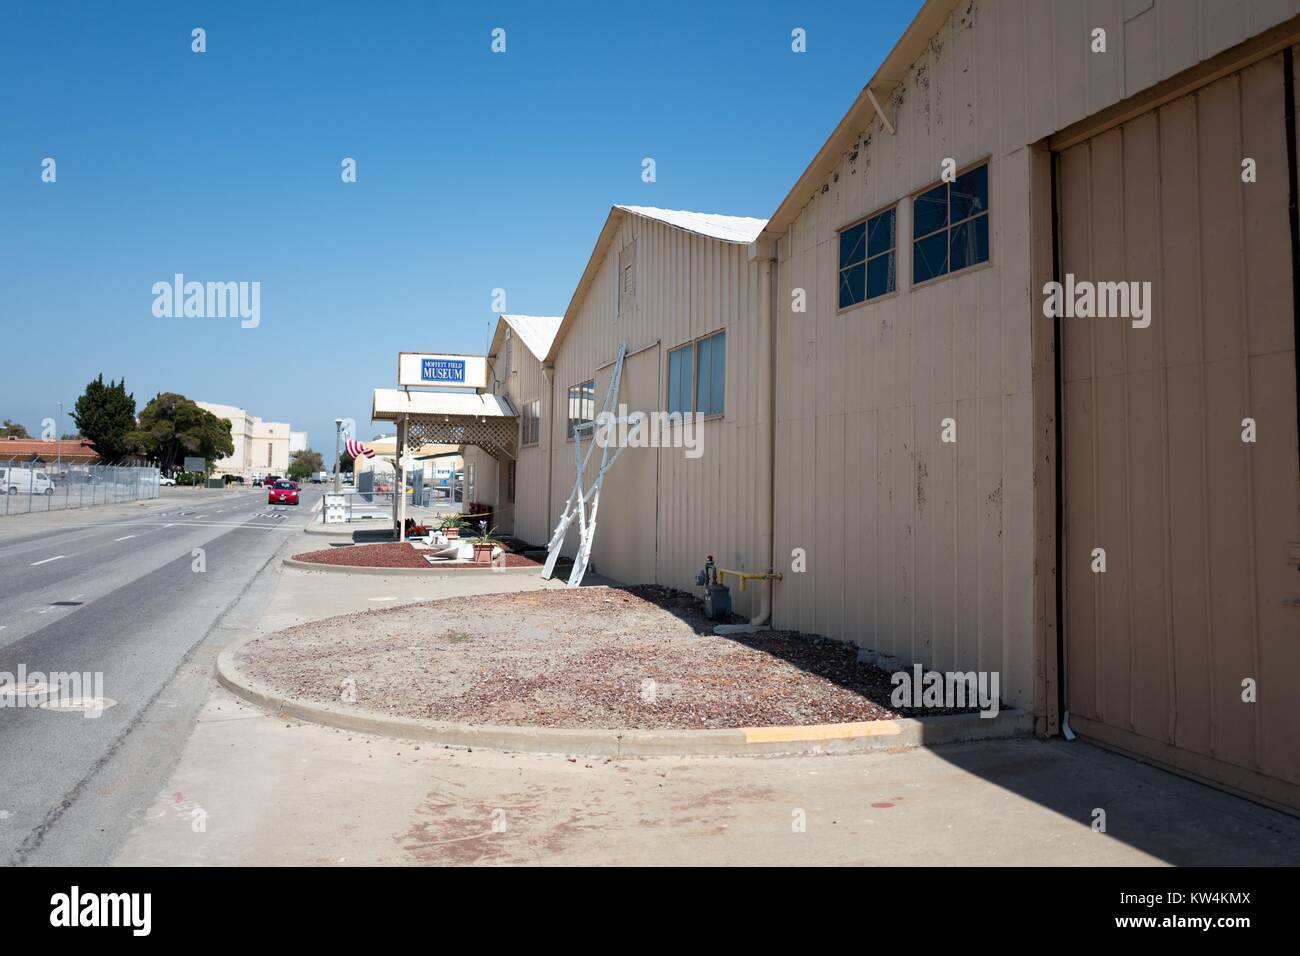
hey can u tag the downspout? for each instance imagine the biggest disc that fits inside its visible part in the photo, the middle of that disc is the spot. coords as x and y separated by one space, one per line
548 375
764 252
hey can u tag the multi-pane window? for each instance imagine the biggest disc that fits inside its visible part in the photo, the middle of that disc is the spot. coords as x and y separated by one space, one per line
531 423
868 258
950 226
697 376
582 405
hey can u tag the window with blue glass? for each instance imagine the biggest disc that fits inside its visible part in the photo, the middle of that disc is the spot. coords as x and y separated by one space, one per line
868 256
697 376
950 226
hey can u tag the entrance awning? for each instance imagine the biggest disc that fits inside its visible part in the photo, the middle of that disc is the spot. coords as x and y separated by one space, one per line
448 418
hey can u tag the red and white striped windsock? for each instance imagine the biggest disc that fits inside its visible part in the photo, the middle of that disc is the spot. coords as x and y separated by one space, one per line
356 449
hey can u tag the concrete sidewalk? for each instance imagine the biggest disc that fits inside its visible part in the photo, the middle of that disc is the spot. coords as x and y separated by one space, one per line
251 790
255 790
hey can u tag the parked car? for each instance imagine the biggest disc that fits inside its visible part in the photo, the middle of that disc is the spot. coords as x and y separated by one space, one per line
25 481
283 492
164 480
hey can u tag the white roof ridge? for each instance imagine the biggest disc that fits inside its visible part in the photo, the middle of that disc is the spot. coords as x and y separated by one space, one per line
537 332
739 229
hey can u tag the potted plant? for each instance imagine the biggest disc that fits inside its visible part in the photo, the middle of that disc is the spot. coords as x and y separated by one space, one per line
484 542
451 525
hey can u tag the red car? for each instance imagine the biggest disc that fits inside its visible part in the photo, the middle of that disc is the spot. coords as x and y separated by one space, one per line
283 492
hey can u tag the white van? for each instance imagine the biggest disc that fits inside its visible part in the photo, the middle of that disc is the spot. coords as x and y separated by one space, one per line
25 481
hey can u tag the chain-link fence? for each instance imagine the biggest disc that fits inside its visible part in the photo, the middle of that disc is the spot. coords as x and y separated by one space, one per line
27 486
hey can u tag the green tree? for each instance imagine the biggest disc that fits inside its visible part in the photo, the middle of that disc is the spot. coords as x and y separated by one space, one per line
345 462
173 427
304 463
12 429
105 414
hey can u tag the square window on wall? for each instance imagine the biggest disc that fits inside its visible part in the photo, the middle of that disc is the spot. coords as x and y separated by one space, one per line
868 258
951 226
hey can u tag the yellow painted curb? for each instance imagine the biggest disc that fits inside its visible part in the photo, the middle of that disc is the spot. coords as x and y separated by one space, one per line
869 728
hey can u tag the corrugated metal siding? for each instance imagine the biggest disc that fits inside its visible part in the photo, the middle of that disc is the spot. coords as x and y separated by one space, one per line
916 548
1051 77
1195 522
521 379
686 286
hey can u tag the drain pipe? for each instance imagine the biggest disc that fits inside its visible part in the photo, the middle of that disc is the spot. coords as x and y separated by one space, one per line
763 251
548 376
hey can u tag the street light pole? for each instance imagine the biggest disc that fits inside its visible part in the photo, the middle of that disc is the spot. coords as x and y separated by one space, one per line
338 435
58 441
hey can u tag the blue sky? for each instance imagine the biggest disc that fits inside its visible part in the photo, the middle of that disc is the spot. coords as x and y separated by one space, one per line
475 171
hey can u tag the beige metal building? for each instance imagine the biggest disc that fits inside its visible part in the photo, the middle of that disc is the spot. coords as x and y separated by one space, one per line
925 321
955 447
678 288
516 370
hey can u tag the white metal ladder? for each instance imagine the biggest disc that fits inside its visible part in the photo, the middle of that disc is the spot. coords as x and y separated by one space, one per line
579 498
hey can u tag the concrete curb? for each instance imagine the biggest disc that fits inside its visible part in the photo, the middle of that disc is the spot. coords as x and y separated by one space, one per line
347 530
430 572
741 741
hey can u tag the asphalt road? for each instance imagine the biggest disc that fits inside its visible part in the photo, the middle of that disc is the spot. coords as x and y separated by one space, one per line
131 593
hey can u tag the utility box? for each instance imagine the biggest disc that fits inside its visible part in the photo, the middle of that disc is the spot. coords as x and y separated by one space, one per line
216 483
336 509
717 602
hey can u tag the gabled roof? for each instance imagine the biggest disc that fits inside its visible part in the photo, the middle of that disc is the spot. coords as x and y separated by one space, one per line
727 228
537 332
740 230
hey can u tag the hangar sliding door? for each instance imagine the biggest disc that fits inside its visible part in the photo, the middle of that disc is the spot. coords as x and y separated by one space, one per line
1200 596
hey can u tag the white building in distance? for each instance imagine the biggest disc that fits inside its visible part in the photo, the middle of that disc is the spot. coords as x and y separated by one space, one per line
261 447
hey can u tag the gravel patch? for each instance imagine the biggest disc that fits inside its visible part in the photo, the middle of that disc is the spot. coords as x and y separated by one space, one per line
398 554
622 658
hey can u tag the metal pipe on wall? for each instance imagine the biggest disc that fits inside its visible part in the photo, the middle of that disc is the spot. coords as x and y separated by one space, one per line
548 374
766 478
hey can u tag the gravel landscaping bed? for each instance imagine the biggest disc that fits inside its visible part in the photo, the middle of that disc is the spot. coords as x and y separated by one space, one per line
397 554
621 658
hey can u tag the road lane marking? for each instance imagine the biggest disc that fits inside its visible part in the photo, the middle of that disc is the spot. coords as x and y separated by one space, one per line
48 560
124 537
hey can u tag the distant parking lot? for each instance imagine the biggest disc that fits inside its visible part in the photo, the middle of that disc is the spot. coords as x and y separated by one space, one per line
27 487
